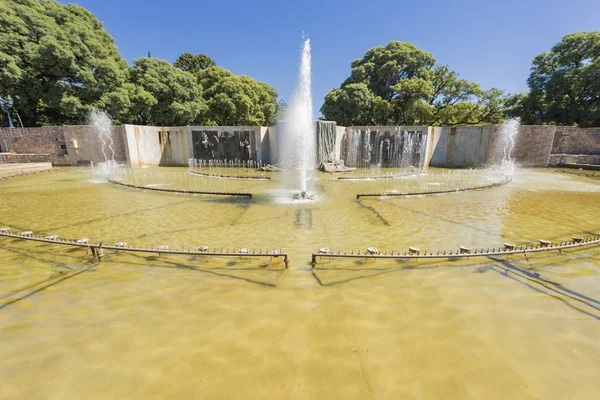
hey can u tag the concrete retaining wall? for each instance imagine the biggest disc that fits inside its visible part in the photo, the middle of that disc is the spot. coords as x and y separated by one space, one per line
462 147
153 146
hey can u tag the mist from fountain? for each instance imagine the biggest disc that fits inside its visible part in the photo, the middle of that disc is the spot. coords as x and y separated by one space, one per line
299 136
101 126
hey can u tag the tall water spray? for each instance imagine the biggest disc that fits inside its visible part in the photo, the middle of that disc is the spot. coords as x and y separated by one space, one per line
508 134
299 137
101 126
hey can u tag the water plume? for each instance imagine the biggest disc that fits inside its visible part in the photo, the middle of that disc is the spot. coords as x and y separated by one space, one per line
298 149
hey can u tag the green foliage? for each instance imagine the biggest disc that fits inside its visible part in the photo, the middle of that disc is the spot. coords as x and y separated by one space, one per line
564 84
56 61
193 63
164 95
399 85
236 100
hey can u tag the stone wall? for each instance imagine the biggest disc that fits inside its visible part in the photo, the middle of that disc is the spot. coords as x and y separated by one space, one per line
63 145
573 140
481 146
85 146
533 145
564 159
452 147
9 158
48 141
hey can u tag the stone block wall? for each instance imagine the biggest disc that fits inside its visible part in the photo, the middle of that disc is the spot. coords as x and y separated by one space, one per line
9 158
573 140
533 145
89 145
564 159
48 141
63 145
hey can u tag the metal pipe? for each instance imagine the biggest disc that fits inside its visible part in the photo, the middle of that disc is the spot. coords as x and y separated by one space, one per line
249 195
505 181
69 242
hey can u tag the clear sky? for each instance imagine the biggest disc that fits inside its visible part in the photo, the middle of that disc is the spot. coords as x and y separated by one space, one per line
488 42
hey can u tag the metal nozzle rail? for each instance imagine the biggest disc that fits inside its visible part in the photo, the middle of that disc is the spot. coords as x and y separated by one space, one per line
245 177
430 192
377 177
98 248
116 182
463 252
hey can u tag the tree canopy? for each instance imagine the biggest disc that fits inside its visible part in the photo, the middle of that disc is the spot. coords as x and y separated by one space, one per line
175 96
193 63
399 84
564 84
236 100
57 61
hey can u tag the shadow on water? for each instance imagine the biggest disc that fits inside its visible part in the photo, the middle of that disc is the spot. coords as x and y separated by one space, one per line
225 272
51 282
374 211
364 273
552 289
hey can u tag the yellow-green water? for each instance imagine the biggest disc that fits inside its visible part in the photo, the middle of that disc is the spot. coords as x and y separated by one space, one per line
147 327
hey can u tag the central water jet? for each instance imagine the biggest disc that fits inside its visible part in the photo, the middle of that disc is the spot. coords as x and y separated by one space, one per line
299 141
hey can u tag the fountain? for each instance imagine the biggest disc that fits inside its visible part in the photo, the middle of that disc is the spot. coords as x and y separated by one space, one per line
507 136
101 126
298 147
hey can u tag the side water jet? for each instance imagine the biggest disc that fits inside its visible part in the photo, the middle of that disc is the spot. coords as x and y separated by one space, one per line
299 130
101 126
508 133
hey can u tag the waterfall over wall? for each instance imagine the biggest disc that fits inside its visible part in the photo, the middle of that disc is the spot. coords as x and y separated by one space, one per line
386 147
325 142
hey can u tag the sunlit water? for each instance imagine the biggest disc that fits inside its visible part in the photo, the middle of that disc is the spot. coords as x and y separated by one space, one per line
146 327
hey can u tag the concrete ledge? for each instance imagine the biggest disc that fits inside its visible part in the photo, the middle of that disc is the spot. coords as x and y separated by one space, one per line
8 170
589 167
565 159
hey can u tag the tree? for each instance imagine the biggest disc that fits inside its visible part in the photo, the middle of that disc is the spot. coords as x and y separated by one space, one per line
188 62
163 95
399 85
564 84
57 61
236 100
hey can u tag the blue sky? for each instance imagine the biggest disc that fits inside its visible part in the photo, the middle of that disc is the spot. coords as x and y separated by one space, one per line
491 43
